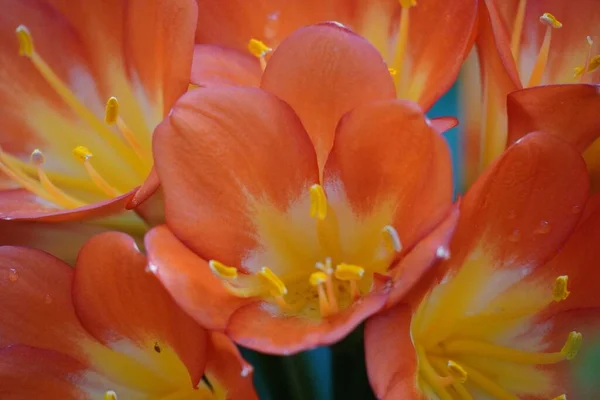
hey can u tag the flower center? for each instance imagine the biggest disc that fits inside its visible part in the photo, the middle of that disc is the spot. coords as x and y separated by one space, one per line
590 64
470 343
325 287
102 182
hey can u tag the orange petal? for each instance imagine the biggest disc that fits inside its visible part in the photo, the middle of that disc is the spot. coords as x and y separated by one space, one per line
434 247
391 359
233 23
62 240
36 302
117 299
216 65
323 71
525 206
435 58
21 205
56 376
443 124
226 368
255 327
569 111
221 151
189 280
393 142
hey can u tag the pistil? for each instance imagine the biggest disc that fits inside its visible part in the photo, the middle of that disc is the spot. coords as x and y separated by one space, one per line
540 65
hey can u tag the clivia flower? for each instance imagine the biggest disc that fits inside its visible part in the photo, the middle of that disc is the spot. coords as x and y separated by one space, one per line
545 56
83 86
105 330
513 313
423 42
289 208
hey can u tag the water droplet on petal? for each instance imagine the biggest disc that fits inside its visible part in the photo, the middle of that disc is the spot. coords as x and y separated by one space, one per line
544 227
576 209
442 252
151 268
13 275
48 299
515 236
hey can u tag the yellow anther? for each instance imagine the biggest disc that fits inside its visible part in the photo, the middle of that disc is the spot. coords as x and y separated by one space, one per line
408 3
317 278
349 272
82 153
110 395
577 72
457 372
392 71
391 239
594 63
318 202
325 267
561 397
258 48
560 290
572 346
222 270
111 112
25 41
276 286
550 20
37 157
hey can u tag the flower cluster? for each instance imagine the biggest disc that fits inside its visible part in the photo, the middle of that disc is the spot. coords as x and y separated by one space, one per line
178 177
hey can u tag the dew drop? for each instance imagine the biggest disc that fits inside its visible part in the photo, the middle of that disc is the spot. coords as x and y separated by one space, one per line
151 268
13 275
515 236
544 227
442 252
48 299
576 209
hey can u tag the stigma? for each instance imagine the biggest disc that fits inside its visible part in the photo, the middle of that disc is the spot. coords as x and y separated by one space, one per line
328 285
62 189
467 344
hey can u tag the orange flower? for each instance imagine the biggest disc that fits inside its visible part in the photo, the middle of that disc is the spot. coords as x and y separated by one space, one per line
105 330
549 47
425 65
82 88
503 318
287 205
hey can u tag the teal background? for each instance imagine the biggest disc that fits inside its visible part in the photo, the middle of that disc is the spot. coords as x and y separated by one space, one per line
337 372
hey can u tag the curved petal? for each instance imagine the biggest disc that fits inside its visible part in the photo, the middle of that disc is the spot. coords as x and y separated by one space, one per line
324 71
21 205
189 280
227 370
569 111
234 23
221 153
525 206
390 356
61 239
387 155
255 327
448 45
443 124
434 247
36 302
216 65
116 299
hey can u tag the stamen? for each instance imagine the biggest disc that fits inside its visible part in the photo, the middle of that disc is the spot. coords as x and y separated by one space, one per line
82 154
572 346
331 295
540 64
437 383
351 274
457 372
561 397
489 385
111 117
223 271
276 286
402 41
57 195
515 41
27 49
259 50
318 279
391 239
392 72
110 395
111 113
560 291
318 202
580 71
